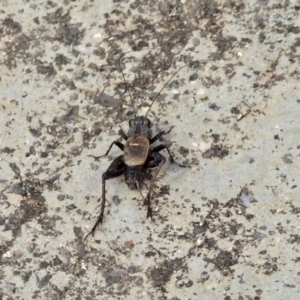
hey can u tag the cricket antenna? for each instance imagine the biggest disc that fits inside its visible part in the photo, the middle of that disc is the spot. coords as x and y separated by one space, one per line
125 81
163 88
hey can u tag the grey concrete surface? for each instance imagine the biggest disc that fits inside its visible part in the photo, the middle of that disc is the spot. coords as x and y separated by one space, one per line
226 228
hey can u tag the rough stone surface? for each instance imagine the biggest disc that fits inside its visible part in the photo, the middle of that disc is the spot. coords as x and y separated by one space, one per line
226 228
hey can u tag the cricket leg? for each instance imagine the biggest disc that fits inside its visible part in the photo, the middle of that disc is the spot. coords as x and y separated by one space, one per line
159 135
117 143
116 168
172 160
155 160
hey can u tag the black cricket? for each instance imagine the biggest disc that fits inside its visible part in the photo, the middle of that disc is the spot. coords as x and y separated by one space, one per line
138 156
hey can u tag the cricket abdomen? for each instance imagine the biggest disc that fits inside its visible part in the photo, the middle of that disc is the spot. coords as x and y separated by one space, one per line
133 175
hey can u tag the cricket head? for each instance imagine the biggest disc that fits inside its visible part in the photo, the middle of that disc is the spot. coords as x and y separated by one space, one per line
140 121
140 126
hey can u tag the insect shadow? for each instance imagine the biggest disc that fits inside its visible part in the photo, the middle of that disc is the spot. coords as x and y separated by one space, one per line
138 155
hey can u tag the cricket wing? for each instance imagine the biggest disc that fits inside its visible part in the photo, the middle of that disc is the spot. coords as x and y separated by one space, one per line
136 151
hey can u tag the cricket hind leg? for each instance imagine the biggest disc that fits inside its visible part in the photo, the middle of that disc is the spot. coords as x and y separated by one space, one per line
155 160
116 168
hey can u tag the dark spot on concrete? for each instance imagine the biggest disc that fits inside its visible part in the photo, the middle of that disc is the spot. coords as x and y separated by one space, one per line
164 190
150 254
215 151
70 116
116 199
7 150
30 208
61 60
15 169
80 247
214 106
225 260
160 275
164 7
11 26
184 151
269 268
99 52
71 207
56 261
44 154
66 32
204 276
44 281
106 100
193 77
234 110
61 197
78 231
70 34
287 158
46 69
259 235
17 188
44 265
76 150
2 197
35 132
216 137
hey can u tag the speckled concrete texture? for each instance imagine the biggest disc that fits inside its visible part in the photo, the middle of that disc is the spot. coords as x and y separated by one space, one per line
225 228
